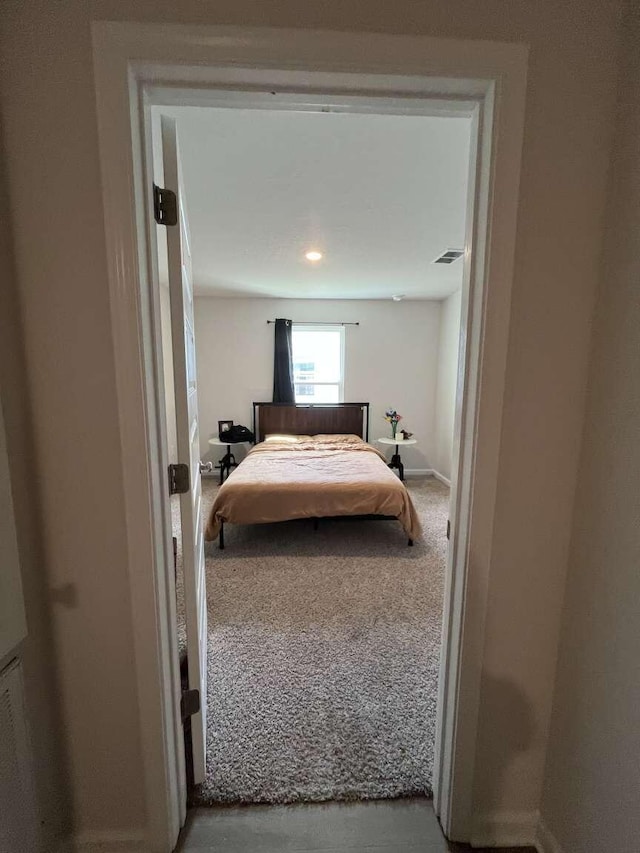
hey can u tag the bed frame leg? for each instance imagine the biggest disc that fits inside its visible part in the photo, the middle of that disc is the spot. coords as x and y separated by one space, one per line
221 537
410 543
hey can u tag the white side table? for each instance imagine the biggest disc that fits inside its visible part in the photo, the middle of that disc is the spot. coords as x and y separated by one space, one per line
228 461
396 461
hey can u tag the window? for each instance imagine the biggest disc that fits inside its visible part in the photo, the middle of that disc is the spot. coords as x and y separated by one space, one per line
318 363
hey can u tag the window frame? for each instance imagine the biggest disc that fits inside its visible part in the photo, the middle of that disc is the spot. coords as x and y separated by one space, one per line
322 327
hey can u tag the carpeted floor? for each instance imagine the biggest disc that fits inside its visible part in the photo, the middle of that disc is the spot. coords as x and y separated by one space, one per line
323 657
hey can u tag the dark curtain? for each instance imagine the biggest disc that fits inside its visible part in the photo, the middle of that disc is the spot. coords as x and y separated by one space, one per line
283 390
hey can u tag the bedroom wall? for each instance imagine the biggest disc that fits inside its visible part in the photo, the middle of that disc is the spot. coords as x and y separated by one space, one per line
447 383
390 360
593 777
68 393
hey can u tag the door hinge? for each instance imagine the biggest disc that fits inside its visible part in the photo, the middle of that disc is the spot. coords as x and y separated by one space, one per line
189 703
448 529
165 206
178 479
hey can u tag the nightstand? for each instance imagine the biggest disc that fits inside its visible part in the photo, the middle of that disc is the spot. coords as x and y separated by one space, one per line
396 461
228 461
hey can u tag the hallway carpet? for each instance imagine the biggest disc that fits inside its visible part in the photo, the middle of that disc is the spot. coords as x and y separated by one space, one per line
323 657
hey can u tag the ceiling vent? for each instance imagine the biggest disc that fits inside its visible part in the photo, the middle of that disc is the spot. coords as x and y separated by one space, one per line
449 256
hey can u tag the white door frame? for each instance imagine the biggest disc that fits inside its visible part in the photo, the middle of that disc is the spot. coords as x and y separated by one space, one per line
137 65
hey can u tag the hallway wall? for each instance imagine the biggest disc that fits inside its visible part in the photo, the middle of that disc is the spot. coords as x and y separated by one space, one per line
592 779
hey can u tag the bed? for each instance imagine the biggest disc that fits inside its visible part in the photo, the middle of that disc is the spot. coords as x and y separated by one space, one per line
311 461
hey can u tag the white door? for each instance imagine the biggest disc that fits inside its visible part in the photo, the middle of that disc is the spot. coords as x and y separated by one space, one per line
188 439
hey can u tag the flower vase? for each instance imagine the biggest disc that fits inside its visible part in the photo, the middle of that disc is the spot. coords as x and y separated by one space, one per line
394 429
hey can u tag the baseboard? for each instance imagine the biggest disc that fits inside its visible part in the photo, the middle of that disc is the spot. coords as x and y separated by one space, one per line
441 477
110 841
506 829
427 472
546 842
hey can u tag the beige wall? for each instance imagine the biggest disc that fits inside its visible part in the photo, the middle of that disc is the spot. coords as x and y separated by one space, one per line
445 401
390 360
593 776
36 652
52 157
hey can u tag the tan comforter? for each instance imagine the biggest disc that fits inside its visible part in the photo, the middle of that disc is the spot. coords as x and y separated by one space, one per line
311 478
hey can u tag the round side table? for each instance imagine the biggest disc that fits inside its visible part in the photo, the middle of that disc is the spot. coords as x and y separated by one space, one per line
228 461
396 461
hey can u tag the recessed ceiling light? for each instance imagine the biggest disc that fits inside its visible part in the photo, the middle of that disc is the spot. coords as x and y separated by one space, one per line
398 297
313 255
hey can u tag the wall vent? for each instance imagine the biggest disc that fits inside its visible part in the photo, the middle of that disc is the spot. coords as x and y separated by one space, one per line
449 256
18 832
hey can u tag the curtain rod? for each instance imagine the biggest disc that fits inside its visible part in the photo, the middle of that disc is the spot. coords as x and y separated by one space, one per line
316 323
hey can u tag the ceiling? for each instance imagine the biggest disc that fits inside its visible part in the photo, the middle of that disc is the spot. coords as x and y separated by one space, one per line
380 196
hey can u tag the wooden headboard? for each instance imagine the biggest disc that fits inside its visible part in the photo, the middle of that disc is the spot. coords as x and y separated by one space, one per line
310 419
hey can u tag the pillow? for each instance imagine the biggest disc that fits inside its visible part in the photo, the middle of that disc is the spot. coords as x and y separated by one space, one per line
287 439
338 438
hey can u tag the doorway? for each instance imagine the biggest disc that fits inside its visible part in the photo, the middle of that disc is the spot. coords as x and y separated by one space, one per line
193 74
324 648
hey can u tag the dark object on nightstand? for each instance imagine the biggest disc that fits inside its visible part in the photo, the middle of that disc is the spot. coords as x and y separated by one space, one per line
237 433
224 427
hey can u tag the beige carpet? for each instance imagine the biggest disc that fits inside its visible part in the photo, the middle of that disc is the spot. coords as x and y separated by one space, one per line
323 657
